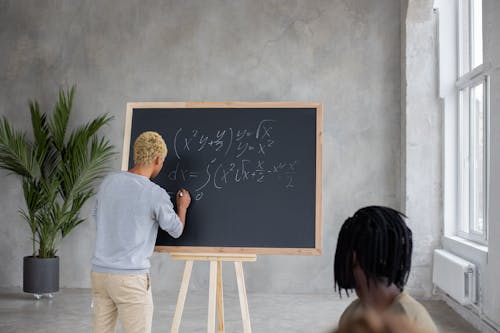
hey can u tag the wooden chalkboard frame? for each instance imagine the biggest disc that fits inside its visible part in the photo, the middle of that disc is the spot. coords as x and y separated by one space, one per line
220 105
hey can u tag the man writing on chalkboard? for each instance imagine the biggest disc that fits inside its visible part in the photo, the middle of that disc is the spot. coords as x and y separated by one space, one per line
129 208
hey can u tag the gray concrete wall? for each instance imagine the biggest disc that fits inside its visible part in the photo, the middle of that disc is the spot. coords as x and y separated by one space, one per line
345 54
421 153
490 290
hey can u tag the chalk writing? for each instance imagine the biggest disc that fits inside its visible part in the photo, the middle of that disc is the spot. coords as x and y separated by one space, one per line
260 140
233 156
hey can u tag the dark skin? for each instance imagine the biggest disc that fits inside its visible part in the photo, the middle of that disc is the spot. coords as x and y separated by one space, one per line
373 322
151 170
378 296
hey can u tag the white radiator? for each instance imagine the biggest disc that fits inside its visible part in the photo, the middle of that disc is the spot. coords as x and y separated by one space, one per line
455 276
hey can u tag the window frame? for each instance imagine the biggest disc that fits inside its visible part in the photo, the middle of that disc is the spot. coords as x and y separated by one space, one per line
467 79
466 158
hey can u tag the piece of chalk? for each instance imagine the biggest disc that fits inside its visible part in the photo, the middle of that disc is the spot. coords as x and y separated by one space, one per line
180 193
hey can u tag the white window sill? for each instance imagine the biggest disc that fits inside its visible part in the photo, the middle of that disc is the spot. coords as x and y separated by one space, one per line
466 249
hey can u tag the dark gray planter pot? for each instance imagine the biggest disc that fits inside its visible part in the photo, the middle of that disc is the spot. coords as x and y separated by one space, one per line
40 275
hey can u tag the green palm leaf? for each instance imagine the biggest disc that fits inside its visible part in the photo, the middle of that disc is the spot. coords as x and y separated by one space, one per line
16 154
85 158
62 111
46 154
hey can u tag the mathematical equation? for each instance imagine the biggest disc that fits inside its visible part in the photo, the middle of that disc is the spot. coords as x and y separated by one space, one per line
230 156
229 141
219 175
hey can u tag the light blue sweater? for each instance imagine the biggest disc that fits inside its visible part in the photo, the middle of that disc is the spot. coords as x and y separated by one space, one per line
127 212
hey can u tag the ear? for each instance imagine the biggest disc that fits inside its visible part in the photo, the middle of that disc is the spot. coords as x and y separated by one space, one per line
158 160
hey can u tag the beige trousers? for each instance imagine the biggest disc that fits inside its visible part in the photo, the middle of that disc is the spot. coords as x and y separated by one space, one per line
123 296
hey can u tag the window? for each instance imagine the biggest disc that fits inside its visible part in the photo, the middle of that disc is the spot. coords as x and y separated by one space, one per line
470 35
473 109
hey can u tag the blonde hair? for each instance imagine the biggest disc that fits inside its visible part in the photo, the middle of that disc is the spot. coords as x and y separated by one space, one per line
148 146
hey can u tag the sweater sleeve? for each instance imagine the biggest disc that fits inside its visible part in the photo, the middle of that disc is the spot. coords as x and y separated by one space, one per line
165 214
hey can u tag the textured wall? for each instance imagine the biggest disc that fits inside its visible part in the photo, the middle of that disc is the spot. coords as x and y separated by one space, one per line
421 152
345 54
491 291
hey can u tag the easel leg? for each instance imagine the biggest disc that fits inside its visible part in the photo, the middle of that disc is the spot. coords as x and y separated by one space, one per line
212 296
220 299
245 315
181 299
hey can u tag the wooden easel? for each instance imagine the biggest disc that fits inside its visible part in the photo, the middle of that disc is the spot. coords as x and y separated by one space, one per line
215 293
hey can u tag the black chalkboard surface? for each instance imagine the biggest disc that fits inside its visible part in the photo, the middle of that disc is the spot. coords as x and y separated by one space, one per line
253 171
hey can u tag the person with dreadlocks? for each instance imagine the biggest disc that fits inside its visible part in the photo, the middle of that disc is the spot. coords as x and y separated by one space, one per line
373 257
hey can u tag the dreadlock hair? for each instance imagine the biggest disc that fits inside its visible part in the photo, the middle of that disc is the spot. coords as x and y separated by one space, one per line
382 244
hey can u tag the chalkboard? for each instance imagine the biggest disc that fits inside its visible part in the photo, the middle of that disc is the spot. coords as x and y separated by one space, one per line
253 171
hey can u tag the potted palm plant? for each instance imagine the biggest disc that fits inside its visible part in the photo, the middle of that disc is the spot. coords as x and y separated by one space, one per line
58 170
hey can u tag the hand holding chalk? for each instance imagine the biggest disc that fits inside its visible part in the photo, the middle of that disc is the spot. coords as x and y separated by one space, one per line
183 199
